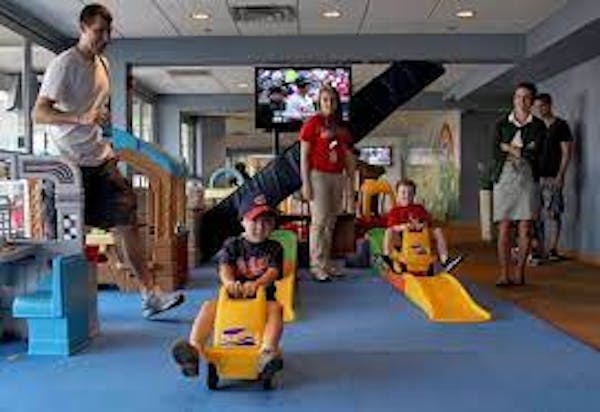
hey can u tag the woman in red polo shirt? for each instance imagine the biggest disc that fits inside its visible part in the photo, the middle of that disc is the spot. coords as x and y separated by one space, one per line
324 156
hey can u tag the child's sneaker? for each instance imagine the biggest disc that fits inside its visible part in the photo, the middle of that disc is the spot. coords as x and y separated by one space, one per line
383 263
154 302
186 357
269 362
451 263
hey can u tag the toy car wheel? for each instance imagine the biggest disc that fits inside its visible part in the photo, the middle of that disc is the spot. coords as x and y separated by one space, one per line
403 268
212 378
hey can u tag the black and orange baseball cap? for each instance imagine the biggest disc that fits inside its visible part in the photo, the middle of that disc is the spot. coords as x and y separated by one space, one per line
254 205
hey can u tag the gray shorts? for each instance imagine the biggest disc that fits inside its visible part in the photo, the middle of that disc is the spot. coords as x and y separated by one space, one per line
109 198
551 198
516 194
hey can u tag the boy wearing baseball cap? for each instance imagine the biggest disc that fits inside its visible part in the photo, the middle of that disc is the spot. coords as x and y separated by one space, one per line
246 262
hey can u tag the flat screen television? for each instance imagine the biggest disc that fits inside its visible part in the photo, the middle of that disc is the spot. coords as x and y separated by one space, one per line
287 96
376 155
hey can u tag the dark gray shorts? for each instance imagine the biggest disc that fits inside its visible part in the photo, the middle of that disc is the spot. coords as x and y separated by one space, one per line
552 201
109 198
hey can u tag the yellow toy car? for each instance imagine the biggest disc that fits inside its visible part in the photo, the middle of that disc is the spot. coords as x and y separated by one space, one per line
237 336
441 297
415 255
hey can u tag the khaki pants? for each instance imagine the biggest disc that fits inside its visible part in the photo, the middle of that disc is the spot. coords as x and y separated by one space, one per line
324 208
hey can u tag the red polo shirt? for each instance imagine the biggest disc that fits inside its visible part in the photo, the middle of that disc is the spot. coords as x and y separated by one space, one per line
328 145
403 214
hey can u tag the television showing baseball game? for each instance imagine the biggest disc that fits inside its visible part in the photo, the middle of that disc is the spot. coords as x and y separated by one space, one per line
287 96
376 155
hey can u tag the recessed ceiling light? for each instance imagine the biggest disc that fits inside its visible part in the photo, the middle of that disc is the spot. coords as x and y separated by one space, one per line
332 14
242 85
465 14
200 16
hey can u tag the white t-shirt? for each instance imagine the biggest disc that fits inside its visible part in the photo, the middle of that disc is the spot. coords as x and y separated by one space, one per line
517 139
78 85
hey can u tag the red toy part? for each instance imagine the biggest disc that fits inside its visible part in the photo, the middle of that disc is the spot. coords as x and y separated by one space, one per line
364 224
92 253
396 280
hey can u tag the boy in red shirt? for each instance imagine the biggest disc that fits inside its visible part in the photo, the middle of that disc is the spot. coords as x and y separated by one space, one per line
409 215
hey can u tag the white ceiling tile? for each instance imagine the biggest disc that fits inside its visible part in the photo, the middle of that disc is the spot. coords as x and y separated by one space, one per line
226 79
156 18
219 24
235 79
239 3
364 73
392 16
494 16
313 22
197 80
140 18
433 16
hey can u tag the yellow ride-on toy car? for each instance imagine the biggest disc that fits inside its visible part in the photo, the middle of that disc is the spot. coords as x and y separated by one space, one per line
440 296
237 337
415 255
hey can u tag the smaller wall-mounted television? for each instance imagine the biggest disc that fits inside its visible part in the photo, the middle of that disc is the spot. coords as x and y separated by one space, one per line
287 96
376 155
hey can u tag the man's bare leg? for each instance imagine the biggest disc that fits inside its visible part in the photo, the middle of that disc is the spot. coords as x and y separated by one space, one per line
153 300
131 245
556 224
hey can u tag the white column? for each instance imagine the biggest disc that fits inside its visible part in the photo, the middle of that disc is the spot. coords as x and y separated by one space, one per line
27 76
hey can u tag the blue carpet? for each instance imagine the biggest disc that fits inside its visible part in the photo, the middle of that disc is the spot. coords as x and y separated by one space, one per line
358 346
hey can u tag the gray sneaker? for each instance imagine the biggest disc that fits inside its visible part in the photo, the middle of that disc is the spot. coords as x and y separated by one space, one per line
320 275
269 362
157 302
334 271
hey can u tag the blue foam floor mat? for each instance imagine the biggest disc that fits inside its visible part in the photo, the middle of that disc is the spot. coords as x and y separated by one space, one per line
358 345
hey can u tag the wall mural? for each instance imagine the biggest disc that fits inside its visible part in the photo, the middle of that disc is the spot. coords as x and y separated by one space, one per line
432 160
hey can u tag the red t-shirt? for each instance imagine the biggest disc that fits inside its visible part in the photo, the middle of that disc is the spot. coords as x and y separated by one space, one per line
328 145
403 214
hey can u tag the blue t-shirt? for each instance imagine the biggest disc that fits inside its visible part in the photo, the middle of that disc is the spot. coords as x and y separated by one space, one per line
251 260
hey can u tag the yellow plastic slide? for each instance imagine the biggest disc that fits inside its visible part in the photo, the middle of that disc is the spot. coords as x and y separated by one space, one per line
443 299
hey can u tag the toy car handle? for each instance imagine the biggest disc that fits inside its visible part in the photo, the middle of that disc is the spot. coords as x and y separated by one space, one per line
259 290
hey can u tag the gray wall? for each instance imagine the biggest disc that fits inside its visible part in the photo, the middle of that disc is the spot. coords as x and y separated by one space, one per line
577 98
476 148
212 132
170 106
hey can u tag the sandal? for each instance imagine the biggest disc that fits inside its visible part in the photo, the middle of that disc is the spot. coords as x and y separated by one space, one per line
519 282
503 283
